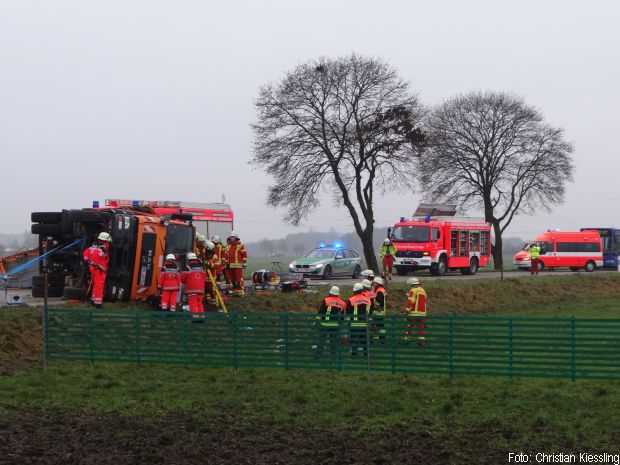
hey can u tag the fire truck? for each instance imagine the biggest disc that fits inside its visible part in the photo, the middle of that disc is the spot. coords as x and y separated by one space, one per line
437 240
141 240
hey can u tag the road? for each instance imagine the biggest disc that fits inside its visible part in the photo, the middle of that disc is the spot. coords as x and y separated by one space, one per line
24 294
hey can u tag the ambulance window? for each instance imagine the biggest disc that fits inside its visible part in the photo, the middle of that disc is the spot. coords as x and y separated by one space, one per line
546 247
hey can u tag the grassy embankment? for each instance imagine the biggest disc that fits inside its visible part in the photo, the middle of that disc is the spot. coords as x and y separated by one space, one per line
280 417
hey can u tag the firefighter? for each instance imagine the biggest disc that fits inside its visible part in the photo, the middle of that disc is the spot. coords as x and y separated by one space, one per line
220 250
211 263
357 311
200 249
416 311
97 257
380 308
194 281
236 257
534 258
328 320
387 253
369 292
169 283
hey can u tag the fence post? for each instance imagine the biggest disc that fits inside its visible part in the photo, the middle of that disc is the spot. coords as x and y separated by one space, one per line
186 320
574 348
138 334
510 348
235 343
368 321
45 336
450 346
286 339
394 319
90 335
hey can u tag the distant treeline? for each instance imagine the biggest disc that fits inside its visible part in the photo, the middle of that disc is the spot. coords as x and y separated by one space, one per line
299 244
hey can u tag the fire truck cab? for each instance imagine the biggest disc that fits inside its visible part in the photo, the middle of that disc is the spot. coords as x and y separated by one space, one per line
436 240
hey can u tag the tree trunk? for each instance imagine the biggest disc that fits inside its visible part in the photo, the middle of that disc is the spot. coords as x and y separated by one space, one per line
496 250
369 250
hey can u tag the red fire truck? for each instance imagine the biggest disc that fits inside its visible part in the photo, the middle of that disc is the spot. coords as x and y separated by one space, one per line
210 219
437 240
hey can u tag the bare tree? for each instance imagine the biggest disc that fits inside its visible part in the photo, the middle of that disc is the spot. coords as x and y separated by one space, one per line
492 150
346 125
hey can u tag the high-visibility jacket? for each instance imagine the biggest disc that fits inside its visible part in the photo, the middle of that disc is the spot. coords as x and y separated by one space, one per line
220 250
416 302
201 252
97 258
211 261
358 309
236 255
389 249
169 280
534 251
194 281
331 307
380 301
371 296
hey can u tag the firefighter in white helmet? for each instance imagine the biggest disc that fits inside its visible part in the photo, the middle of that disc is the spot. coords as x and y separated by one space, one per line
387 254
236 257
328 319
357 311
416 311
169 283
220 250
97 256
211 263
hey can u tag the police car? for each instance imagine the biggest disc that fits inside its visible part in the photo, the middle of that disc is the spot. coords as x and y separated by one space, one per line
328 260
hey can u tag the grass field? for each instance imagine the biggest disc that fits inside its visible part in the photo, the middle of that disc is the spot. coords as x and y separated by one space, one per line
113 413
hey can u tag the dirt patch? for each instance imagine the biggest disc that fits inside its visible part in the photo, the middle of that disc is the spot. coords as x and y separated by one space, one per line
21 339
86 437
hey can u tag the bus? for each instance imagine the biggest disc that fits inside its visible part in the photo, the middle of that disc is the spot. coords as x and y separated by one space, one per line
610 237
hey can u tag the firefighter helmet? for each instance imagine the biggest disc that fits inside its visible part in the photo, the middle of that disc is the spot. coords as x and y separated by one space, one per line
191 256
367 283
216 239
105 237
209 245
368 274
233 234
171 257
378 280
413 281
335 290
386 241
358 287
200 238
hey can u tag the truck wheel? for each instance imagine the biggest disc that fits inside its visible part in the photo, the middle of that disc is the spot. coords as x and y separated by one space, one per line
440 267
472 269
401 271
89 217
53 291
46 229
590 266
46 217
74 293
53 280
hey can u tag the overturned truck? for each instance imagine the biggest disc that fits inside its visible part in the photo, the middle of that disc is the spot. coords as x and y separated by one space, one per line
140 240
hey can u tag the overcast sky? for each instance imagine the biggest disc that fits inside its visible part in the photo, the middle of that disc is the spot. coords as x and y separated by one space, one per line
154 99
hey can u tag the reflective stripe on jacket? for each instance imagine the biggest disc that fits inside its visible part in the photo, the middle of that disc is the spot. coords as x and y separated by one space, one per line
380 301
194 281
169 280
236 255
97 257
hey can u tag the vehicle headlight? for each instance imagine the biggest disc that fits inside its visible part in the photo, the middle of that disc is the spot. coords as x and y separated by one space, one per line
426 254
291 266
320 265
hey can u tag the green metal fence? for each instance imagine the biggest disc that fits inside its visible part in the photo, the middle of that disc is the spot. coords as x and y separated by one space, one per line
465 345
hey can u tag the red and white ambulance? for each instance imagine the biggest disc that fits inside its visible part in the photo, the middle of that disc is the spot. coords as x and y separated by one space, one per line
571 249
436 240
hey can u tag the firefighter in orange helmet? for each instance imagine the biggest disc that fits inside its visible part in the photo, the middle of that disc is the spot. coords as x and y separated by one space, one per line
236 257
97 257
416 311
220 250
